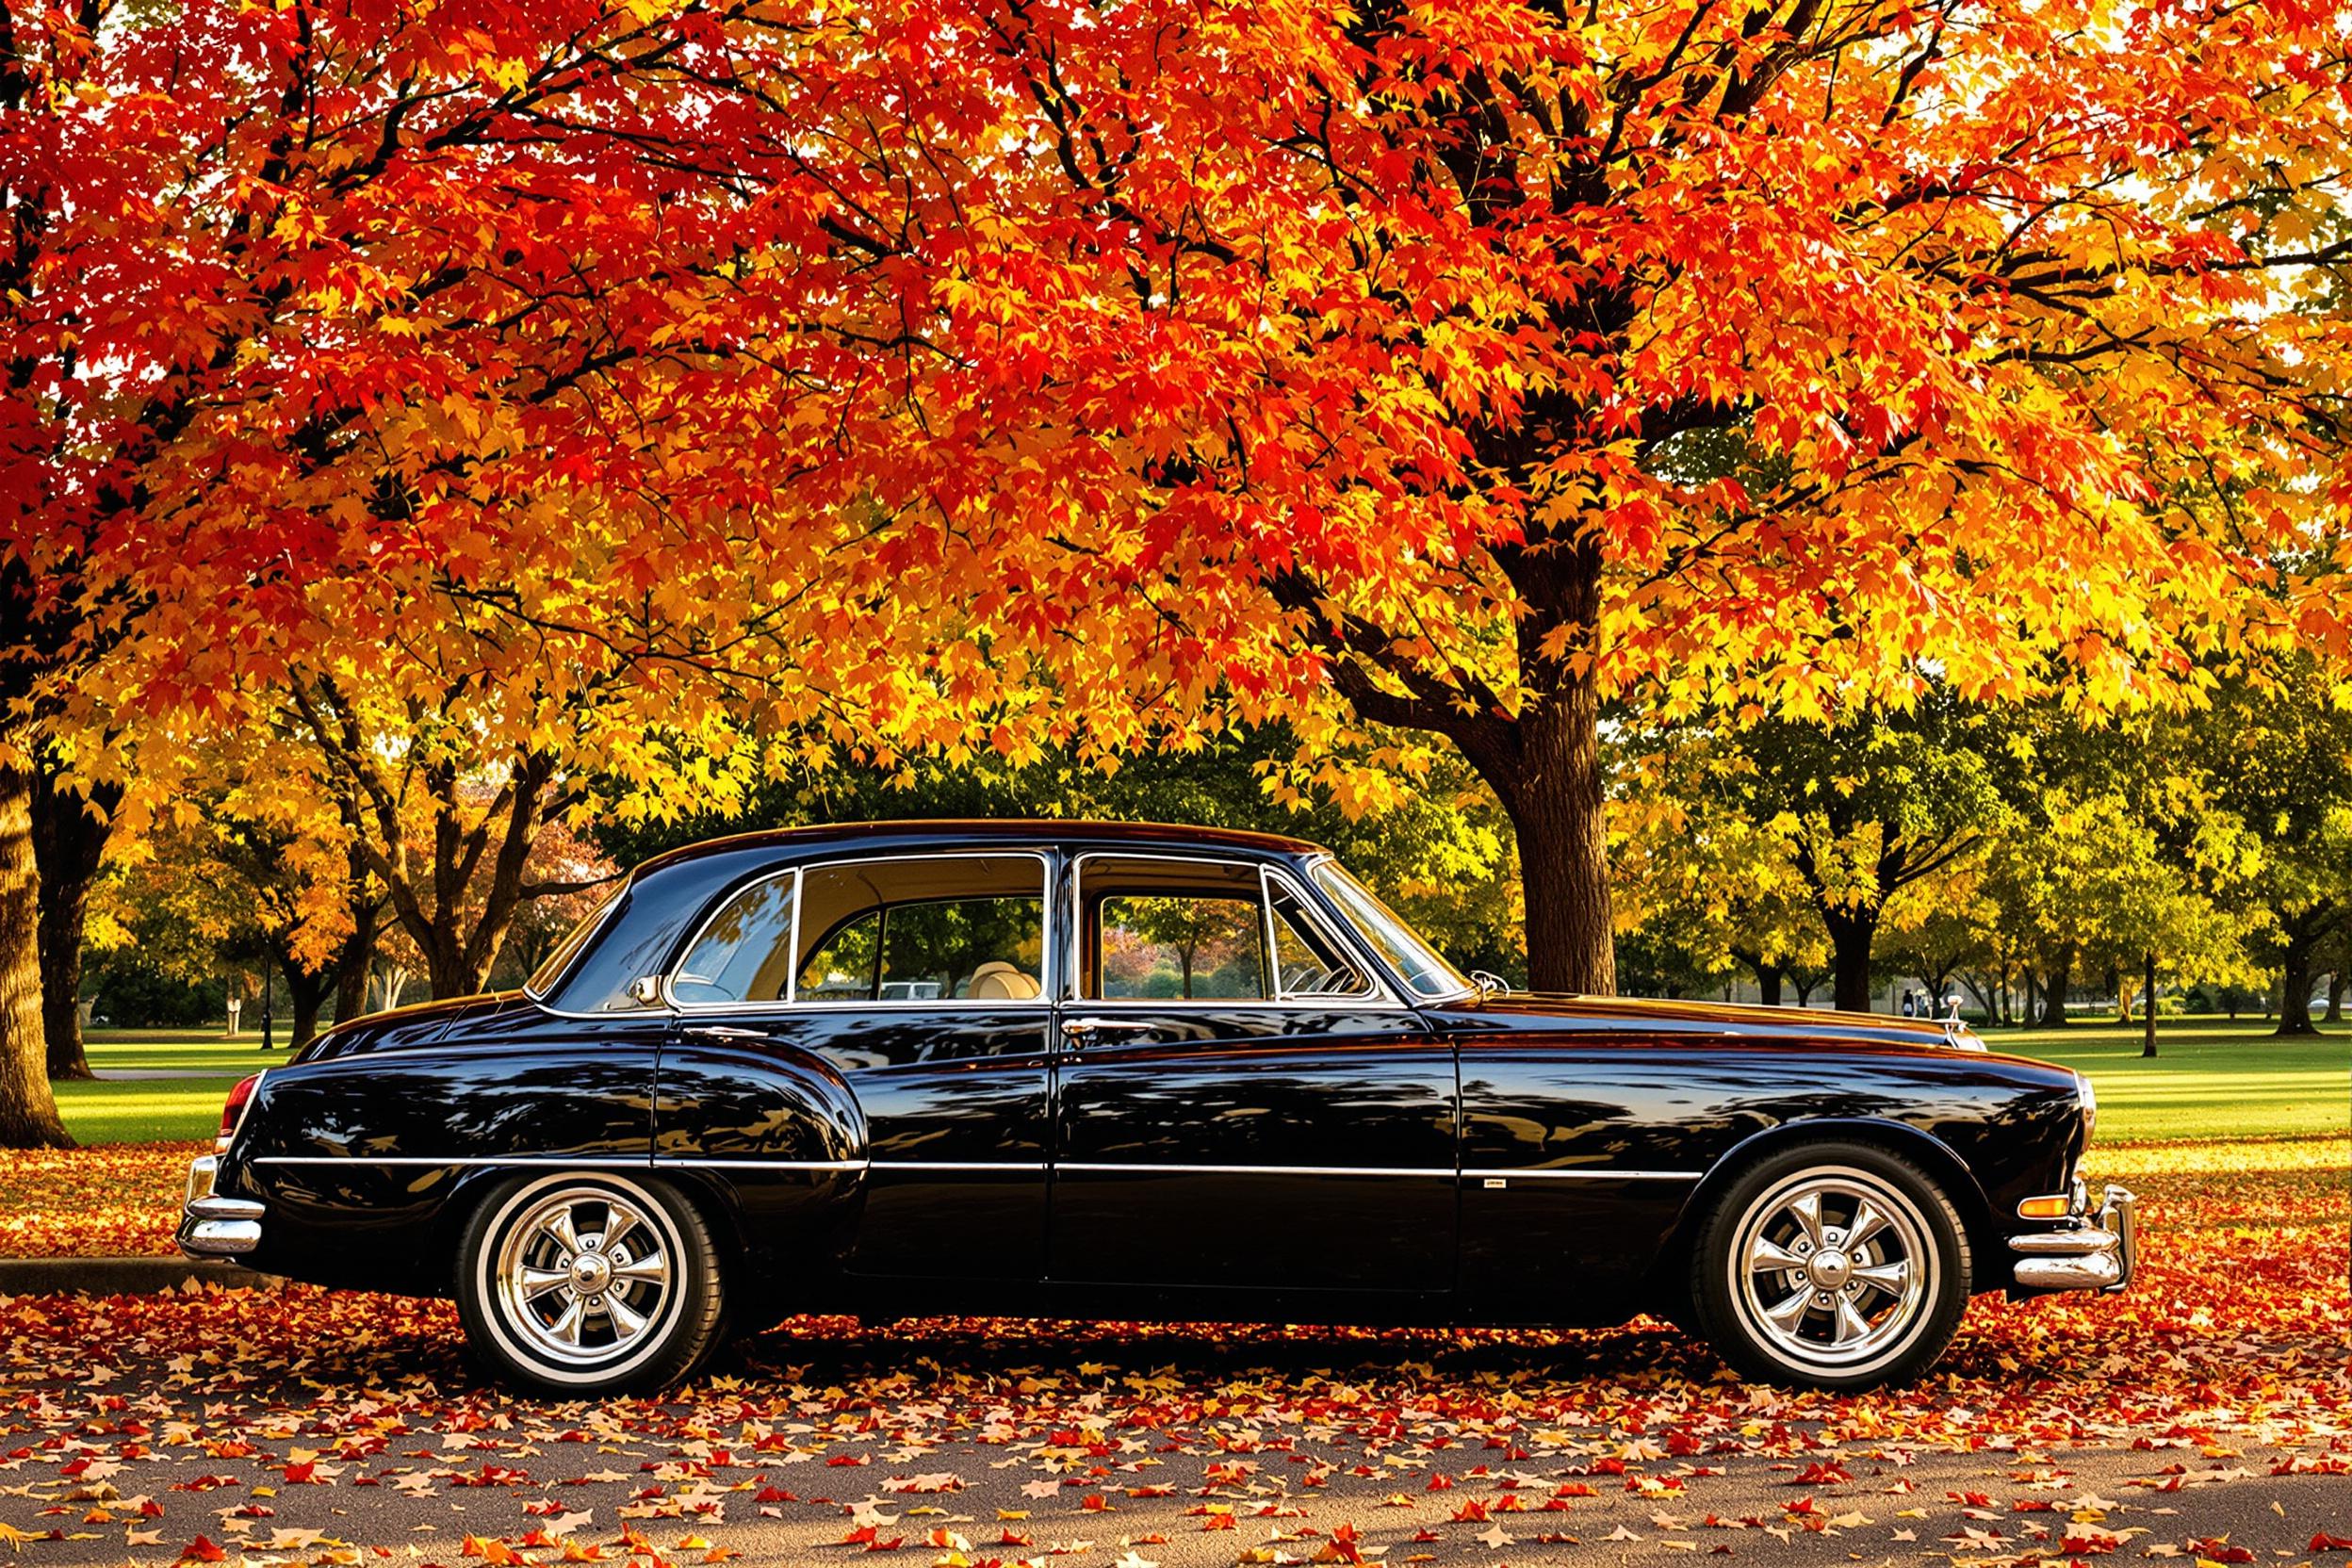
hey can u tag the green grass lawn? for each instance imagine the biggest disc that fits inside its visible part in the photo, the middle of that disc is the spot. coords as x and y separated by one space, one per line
2210 1078
160 1110
183 1049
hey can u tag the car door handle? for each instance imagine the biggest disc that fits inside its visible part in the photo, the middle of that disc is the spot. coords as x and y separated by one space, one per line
1092 1025
726 1032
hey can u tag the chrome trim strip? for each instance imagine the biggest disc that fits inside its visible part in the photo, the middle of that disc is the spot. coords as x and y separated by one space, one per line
443 1160
1596 1173
695 1163
1590 1173
632 1162
1145 1168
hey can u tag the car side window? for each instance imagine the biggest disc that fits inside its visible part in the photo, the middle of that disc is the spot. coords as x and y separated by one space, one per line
1158 929
745 953
922 929
1188 945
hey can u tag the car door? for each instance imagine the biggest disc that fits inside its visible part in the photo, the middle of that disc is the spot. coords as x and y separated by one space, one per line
921 979
1241 1102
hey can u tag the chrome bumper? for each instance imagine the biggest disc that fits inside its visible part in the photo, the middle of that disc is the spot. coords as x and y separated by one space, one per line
2095 1252
212 1226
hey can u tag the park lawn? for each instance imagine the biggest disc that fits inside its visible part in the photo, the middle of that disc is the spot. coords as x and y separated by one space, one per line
2210 1078
179 1050
159 1109
143 1111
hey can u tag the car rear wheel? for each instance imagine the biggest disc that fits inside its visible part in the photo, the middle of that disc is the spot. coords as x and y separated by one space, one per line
574 1284
1836 1265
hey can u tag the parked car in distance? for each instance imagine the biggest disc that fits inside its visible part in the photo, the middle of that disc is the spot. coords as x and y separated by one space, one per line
1132 1071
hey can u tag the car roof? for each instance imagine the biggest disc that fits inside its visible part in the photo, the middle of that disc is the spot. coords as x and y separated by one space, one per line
944 832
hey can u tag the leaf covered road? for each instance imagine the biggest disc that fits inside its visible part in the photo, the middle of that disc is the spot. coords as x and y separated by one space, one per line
2211 1400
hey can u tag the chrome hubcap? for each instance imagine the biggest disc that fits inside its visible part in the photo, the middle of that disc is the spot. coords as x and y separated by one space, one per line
583 1276
1833 1268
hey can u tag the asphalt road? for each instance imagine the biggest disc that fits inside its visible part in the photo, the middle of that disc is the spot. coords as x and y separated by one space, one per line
298 1426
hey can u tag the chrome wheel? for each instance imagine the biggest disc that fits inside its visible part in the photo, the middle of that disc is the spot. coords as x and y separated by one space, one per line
1833 1269
585 1275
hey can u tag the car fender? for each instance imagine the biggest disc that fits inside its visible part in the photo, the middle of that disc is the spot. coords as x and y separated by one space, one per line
769 1138
1922 1147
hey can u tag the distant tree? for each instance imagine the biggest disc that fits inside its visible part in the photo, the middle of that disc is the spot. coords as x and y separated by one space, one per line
1698 877
1939 927
2275 758
1865 808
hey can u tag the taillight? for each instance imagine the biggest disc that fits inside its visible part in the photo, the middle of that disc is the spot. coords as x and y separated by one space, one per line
233 1109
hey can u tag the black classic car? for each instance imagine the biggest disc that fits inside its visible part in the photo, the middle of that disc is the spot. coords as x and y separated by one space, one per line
1124 1070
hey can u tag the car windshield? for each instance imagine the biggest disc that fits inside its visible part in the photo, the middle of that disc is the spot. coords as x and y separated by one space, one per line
542 979
1425 971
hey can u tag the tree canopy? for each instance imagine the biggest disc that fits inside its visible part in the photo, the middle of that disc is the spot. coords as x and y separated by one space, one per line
608 389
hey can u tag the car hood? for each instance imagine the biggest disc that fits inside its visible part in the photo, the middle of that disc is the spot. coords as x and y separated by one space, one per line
1539 1010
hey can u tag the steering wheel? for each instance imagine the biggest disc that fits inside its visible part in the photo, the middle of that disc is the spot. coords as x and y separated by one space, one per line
1309 981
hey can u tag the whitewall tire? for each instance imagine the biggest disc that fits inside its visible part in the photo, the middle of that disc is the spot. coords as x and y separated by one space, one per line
585 1284
1836 1265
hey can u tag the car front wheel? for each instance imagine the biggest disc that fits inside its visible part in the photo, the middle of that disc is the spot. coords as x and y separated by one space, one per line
579 1284
1836 1265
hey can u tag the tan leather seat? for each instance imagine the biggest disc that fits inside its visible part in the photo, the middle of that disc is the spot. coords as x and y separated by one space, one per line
998 981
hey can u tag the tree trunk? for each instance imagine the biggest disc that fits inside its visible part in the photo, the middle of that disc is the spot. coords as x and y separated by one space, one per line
29 1111
352 964
2147 1008
1851 932
2294 991
2054 989
1552 788
69 838
309 994
1768 975
358 953
2335 996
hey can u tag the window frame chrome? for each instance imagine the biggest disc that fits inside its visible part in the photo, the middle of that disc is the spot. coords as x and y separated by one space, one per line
598 920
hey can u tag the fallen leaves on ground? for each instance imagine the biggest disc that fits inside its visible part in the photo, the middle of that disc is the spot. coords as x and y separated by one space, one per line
114 1200
1293 1445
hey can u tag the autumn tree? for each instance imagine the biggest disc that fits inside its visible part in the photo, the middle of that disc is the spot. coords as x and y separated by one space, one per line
1480 363
2089 881
1864 809
1698 875
346 339
444 823
1417 824
1009 375
2275 759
